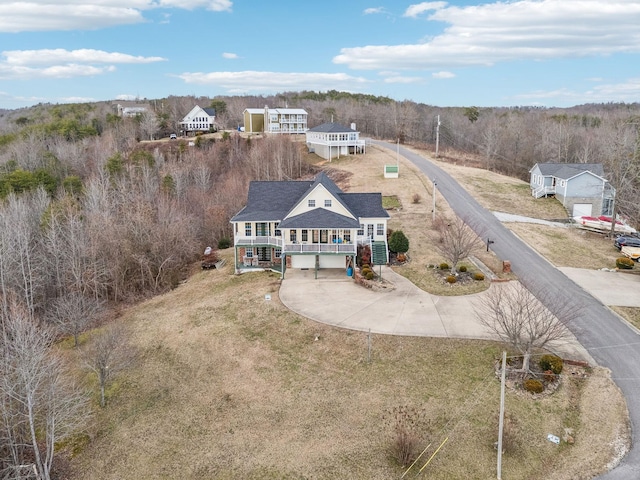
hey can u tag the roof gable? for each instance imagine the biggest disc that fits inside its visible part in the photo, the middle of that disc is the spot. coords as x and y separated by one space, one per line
274 201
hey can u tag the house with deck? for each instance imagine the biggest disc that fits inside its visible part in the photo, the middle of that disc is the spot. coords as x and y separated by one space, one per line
199 120
332 140
275 120
580 187
307 224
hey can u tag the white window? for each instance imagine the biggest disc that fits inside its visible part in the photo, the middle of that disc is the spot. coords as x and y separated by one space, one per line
370 230
277 252
305 235
312 203
361 230
293 235
249 253
277 232
327 203
247 229
380 229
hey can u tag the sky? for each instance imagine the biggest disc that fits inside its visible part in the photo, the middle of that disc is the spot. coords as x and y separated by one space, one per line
550 53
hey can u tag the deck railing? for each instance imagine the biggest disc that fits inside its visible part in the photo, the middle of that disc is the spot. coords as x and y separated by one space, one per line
259 240
320 248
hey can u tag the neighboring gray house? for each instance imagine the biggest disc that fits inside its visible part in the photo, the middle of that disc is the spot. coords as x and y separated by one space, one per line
580 187
332 140
307 224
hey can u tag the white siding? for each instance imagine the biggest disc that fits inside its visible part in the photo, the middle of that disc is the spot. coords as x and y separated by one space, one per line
320 194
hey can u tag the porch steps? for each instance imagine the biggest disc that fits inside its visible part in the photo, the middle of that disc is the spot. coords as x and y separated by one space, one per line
379 253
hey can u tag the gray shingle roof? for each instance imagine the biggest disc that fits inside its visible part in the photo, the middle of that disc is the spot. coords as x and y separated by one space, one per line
319 218
569 170
272 201
210 111
331 128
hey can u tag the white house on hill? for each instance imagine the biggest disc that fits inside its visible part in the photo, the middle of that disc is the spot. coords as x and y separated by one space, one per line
199 120
332 140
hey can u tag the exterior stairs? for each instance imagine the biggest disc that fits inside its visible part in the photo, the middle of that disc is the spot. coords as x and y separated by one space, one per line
379 253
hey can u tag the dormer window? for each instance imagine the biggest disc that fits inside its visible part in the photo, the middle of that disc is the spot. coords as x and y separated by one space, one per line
327 203
312 203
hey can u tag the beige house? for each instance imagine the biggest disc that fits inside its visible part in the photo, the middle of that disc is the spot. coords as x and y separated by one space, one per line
275 120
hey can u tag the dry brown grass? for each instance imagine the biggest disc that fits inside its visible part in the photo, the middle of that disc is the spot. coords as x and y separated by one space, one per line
230 385
414 219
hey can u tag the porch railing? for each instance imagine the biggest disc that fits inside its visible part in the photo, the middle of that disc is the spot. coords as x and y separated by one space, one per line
259 240
319 248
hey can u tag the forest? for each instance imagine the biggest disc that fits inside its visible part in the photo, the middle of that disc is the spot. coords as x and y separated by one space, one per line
93 215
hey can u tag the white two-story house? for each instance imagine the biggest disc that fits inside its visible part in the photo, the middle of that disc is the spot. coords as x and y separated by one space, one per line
199 120
307 224
332 140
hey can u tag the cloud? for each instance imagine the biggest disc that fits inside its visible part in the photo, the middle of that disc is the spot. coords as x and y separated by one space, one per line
405 80
627 91
273 81
60 63
230 56
45 15
373 10
443 75
419 8
506 31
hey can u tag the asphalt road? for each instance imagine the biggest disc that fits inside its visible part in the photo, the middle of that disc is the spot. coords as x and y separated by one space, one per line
610 341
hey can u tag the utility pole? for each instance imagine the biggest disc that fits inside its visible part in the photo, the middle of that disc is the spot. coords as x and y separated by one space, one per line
433 194
437 135
501 422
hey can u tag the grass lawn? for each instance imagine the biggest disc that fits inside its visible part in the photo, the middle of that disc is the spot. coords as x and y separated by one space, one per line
229 385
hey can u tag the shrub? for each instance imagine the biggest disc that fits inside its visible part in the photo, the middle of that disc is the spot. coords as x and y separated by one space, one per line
223 243
552 363
549 376
401 257
398 242
369 275
624 263
452 279
534 386
463 268
444 266
404 424
416 198
478 276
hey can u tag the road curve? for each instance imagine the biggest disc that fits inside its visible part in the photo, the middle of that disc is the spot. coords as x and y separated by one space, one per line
611 342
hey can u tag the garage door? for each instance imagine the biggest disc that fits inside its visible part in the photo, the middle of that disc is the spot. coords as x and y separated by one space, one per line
303 261
582 209
333 261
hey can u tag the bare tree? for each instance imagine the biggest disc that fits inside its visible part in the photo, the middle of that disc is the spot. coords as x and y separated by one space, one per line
40 406
73 313
108 353
457 240
520 320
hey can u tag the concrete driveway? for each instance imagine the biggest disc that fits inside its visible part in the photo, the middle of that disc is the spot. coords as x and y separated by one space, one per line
335 299
610 287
